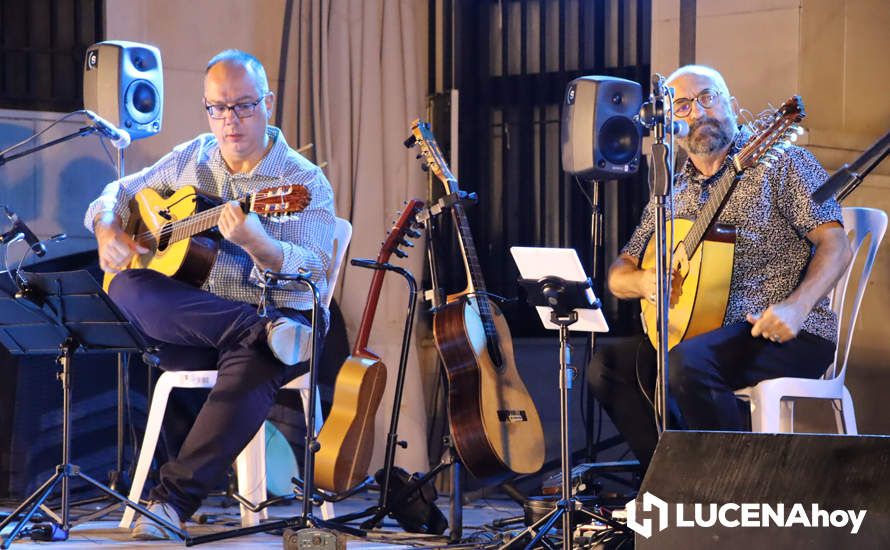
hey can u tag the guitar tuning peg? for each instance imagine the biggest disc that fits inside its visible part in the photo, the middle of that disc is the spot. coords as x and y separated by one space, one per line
419 156
425 167
399 253
406 242
413 233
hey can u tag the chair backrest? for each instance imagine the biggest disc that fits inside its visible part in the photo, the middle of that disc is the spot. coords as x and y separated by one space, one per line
342 236
859 223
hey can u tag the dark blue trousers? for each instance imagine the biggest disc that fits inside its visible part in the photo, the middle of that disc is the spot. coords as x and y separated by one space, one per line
703 373
197 330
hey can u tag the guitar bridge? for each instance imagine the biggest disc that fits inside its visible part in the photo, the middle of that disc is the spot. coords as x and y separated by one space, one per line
512 416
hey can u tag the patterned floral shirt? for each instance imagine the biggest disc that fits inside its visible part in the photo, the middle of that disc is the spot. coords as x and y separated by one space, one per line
306 241
772 211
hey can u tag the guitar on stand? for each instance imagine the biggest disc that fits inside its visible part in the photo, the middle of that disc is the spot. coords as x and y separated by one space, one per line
495 427
347 437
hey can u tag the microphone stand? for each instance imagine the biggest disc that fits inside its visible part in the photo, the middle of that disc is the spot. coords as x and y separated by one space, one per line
85 131
660 182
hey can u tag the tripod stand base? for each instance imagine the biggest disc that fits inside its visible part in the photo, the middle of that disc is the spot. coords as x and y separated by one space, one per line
64 473
295 523
540 528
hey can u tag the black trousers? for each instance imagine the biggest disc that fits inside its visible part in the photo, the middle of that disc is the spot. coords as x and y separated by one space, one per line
703 372
198 330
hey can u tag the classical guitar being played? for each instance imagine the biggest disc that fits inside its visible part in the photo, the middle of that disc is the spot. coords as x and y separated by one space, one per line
703 251
347 438
177 230
494 424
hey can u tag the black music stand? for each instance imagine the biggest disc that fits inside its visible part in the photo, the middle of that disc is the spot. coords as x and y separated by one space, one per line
62 313
565 299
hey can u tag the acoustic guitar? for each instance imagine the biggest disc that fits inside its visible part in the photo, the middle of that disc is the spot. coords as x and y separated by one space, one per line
180 232
703 251
494 424
347 438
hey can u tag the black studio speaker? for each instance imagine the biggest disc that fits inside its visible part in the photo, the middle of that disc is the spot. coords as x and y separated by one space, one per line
600 138
123 83
760 490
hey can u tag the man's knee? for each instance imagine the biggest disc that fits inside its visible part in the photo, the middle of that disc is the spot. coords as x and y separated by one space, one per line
686 366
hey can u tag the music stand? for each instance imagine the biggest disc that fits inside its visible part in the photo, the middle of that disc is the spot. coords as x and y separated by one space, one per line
562 293
62 313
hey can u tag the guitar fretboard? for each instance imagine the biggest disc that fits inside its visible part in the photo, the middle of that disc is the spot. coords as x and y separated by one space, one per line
475 281
710 210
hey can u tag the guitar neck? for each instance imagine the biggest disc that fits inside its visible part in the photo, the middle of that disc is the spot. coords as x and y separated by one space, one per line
196 223
475 281
712 208
360 349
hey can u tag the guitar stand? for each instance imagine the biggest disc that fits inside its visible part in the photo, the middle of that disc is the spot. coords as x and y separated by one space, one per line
563 297
306 518
377 513
67 312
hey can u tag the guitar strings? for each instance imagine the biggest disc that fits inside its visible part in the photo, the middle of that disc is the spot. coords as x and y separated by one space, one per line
201 221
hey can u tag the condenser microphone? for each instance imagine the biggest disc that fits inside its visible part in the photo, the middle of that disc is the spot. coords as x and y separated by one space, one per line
20 230
119 138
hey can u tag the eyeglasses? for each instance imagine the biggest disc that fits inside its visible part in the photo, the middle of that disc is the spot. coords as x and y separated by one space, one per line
241 110
705 98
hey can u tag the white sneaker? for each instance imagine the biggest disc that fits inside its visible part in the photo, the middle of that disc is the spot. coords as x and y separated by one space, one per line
289 340
146 529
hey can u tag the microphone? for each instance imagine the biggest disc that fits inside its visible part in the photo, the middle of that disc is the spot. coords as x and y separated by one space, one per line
119 138
20 228
680 128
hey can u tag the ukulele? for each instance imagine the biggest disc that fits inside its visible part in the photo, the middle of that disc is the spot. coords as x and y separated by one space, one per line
178 230
494 424
347 438
705 251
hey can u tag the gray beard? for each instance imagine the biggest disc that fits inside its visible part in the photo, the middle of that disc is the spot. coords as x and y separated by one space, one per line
708 136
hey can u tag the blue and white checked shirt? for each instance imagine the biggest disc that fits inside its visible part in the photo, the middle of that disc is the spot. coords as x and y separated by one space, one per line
307 240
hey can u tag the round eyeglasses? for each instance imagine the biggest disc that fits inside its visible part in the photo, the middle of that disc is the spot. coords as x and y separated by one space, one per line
706 98
241 110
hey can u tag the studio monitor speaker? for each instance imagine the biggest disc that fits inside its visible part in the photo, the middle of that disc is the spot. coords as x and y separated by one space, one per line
123 83
600 138
773 491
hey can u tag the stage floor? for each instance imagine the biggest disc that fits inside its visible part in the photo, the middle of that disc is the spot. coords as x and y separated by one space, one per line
105 533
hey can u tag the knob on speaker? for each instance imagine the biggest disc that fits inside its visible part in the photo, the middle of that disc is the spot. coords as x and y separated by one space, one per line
123 83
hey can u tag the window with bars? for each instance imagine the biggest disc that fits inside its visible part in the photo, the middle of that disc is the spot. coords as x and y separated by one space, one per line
510 62
42 45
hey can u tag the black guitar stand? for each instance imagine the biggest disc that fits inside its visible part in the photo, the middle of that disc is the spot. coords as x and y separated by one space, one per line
306 519
563 298
64 313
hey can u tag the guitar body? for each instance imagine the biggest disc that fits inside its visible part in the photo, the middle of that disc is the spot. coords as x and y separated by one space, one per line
347 438
706 279
189 260
494 423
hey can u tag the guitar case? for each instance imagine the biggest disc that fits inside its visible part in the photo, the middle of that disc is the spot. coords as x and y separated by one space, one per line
417 512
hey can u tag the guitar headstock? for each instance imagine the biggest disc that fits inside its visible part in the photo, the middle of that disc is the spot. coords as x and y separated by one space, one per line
776 132
280 203
432 156
403 229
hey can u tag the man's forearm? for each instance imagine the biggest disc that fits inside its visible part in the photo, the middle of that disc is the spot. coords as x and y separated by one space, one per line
267 254
830 260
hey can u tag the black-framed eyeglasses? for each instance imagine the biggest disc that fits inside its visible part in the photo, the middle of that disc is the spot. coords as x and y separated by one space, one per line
241 110
706 98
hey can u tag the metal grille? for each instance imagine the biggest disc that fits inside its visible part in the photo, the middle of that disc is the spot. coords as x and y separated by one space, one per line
511 61
42 45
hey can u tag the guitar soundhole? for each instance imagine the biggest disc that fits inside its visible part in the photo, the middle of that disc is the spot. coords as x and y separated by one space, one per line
512 416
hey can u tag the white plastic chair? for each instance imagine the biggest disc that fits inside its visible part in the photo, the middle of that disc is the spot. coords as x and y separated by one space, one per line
250 465
772 401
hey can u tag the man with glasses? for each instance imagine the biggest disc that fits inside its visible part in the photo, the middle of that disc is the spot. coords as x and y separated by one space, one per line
789 253
217 326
